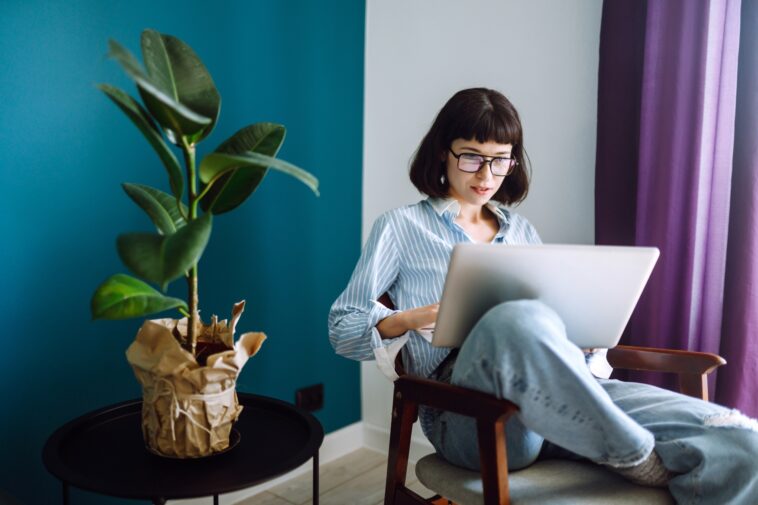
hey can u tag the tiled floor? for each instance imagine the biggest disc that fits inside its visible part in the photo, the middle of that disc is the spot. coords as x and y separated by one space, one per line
355 479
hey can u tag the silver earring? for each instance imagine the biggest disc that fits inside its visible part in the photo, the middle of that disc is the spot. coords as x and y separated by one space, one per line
442 179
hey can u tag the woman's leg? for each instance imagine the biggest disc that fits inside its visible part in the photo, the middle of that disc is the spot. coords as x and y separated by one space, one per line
713 448
455 438
519 351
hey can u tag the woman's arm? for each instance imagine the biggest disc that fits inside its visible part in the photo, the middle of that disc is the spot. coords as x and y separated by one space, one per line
413 319
355 314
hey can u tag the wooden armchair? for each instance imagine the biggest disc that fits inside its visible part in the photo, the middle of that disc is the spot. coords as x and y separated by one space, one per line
550 481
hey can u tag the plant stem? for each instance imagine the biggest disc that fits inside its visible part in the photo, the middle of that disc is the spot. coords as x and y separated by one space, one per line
192 292
194 315
210 184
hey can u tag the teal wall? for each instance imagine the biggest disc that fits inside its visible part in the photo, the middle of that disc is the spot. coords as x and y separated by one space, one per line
65 149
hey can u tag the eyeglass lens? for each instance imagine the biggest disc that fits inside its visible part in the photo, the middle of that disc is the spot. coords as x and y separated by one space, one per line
473 163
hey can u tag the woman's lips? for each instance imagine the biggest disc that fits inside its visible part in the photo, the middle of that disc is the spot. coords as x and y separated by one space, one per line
480 191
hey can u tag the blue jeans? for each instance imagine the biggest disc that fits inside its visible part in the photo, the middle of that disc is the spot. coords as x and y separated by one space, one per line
519 351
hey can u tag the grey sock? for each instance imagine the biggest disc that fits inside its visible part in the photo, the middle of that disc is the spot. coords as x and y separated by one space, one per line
650 472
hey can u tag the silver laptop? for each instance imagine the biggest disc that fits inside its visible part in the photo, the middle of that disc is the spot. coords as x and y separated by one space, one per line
594 289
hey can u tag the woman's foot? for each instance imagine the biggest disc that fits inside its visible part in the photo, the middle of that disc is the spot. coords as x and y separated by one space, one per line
650 472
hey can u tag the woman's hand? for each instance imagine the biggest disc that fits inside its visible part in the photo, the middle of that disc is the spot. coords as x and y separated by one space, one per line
412 319
421 317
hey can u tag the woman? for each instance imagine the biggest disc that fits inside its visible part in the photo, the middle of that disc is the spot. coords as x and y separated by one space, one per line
472 164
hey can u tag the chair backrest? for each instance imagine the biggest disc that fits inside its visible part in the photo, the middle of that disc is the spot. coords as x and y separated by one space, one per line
386 301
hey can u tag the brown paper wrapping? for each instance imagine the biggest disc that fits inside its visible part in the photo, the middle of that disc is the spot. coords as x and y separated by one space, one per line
188 410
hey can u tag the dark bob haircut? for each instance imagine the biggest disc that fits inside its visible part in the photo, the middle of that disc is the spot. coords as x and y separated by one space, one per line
477 113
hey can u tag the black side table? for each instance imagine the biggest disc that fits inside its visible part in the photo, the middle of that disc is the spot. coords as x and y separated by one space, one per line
104 452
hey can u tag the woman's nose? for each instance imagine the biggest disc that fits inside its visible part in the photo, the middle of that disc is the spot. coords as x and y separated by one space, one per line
485 171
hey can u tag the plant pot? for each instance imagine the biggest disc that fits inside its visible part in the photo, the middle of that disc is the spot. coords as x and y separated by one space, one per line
188 409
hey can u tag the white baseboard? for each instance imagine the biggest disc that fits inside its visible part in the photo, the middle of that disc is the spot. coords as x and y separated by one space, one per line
378 439
336 444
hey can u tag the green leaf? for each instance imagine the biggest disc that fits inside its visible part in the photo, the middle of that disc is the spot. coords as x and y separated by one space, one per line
124 297
163 258
127 60
175 68
234 188
141 119
263 138
217 164
168 202
160 206
177 119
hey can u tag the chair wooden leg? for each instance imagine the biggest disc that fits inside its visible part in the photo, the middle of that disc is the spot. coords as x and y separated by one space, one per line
494 463
694 384
440 500
404 414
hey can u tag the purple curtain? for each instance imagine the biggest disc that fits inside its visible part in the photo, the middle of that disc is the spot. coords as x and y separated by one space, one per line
667 105
738 382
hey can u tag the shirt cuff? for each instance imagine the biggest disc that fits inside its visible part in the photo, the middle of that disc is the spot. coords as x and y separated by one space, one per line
385 355
376 314
385 349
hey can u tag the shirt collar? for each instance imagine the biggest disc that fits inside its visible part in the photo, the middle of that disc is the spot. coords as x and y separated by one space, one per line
442 205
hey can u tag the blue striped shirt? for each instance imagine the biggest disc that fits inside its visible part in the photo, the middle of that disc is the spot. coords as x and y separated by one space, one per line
407 256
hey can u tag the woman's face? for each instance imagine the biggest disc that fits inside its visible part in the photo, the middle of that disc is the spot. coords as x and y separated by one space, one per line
479 187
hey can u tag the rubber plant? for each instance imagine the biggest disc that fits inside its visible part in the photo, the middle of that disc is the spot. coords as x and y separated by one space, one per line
180 107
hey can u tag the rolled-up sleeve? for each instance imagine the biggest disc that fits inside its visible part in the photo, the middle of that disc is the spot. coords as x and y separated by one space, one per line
355 314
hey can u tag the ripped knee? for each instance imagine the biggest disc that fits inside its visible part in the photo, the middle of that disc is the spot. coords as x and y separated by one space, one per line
731 419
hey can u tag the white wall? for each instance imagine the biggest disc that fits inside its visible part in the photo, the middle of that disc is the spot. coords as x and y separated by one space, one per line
542 54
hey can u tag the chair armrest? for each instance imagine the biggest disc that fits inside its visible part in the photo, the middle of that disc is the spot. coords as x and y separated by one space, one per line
663 360
692 367
457 399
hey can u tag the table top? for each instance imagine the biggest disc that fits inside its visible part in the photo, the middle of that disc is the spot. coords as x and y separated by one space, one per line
104 451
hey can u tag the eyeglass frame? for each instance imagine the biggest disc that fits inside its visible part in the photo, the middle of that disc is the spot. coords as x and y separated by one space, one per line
514 162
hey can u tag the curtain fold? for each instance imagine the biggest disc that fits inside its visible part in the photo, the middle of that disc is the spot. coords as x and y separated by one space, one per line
738 381
666 140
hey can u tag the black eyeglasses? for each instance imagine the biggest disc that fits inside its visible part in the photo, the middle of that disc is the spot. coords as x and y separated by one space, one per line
472 163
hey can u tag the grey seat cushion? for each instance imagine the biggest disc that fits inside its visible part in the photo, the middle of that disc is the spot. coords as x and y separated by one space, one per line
553 482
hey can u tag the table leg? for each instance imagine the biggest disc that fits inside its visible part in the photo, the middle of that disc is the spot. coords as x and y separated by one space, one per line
215 499
66 497
315 478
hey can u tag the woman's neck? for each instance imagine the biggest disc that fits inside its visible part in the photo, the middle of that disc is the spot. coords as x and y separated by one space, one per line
478 222
473 214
